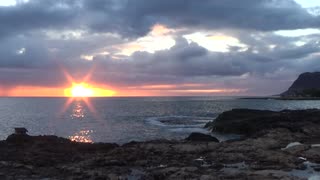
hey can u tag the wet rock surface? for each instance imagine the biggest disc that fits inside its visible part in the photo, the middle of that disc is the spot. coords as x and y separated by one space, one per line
201 137
278 152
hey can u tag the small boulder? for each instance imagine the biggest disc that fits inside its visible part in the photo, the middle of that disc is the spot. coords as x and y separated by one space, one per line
201 137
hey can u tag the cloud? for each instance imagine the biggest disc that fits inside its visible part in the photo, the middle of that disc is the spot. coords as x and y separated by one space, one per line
40 38
36 14
136 18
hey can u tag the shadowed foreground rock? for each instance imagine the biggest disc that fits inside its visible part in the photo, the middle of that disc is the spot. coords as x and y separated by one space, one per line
252 122
278 152
201 137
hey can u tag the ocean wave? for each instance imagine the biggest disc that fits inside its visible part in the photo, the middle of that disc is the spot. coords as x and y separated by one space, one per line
179 121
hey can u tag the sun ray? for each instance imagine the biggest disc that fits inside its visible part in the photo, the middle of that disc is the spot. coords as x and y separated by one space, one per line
66 74
67 105
91 108
89 74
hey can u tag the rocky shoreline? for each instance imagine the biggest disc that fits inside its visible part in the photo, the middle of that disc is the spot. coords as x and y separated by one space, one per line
275 145
282 98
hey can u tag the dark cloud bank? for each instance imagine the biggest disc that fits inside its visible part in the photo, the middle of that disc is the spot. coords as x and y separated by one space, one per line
30 57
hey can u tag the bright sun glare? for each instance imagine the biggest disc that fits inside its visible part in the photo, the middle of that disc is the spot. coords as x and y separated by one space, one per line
86 90
81 90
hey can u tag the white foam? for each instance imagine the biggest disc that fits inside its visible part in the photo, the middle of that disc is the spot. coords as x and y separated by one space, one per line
292 145
309 172
315 177
155 121
315 145
190 130
196 122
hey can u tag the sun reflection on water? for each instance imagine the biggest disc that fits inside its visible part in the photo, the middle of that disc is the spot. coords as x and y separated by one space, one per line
82 136
78 110
81 108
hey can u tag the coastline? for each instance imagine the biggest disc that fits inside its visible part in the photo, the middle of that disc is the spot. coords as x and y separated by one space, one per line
283 150
281 98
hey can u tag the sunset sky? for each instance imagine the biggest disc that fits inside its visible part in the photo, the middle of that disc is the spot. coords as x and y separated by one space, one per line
156 47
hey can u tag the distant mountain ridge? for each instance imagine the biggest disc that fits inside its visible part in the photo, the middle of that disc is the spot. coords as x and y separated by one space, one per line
307 85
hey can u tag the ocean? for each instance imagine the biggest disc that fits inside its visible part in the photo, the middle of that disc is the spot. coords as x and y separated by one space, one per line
124 119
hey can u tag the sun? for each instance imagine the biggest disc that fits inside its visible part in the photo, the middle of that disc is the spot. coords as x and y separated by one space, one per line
81 90
86 90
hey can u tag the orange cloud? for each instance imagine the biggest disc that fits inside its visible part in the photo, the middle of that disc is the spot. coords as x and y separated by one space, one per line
97 90
128 49
159 30
165 86
36 91
158 39
31 91
176 90
210 91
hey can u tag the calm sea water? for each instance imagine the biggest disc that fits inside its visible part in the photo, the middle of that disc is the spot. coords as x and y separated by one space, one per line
122 120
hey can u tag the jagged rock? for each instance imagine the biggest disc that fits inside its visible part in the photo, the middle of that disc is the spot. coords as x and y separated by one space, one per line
296 149
206 177
312 154
189 147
